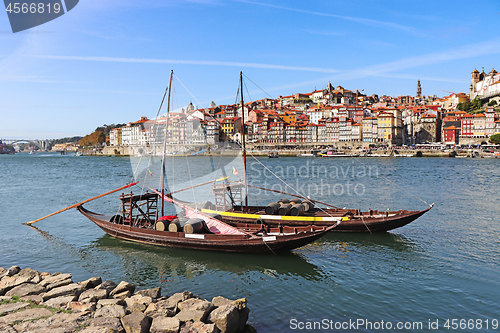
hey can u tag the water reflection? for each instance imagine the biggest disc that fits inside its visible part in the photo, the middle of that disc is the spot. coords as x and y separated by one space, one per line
375 241
171 262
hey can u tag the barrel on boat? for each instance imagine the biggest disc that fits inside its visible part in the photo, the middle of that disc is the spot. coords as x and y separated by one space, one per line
308 205
177 224
283 201
272 208
284 209
295 201
297 209
193 226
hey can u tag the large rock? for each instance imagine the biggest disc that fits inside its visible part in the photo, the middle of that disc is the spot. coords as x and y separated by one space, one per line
109 301
112 325
51 279
25 315
23 276
161 308
198 327
8 329
165 325
12 270
73 289
81 306
92 295
12 307
196 304
220 301
115 311
121 288
154 293
136 322
226 318
59 283
138 303
108 285
26 289
91 283
191 315
2 272
60 302
58 323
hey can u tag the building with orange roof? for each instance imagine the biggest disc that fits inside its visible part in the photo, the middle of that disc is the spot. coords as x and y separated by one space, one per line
451 135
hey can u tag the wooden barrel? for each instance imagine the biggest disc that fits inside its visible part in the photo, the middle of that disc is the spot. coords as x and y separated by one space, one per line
297 209
295 201
194 226
283 201
284 209
272 208
177 224
160 226
308 205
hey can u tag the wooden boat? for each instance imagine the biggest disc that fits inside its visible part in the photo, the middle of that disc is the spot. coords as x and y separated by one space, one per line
141 220
137 222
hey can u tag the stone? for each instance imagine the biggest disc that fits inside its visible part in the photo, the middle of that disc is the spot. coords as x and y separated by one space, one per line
73 289
192 315
24 276
59 302
11 307
109 301
108 285
50 279
58 323
226 318
7 328
81 306
243 317
93 295
113 325
154 293
91 283
136 322
13 270
198 327
115 311
97 330
165 325
28 314
123 295
161 308
59 283
2 272
220 301
37 299
26 289
122 287
138 302
195 304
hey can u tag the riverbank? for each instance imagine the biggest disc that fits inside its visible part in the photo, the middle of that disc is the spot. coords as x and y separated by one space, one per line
32 301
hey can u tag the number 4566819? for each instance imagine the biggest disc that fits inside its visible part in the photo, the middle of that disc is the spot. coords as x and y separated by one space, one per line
33 8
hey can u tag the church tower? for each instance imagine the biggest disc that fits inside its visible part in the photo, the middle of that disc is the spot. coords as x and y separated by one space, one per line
419 90
474 79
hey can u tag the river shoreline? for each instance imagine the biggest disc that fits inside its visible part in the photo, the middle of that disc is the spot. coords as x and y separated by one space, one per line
32 301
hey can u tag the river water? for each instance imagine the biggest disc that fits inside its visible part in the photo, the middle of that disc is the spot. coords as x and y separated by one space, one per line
443 266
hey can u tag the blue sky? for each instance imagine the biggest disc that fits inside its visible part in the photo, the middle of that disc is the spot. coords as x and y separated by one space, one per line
108 61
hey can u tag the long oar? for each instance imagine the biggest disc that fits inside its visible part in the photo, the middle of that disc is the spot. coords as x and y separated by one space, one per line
81 203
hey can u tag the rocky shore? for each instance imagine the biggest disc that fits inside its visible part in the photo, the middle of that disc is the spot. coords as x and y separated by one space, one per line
31 301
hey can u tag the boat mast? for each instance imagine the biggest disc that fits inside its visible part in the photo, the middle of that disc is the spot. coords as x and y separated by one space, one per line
165 146
243 140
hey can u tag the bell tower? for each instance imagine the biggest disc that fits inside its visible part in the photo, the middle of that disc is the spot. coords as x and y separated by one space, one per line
419 90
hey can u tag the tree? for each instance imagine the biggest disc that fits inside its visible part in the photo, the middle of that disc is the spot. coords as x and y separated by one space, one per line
492 103
95 139
495 139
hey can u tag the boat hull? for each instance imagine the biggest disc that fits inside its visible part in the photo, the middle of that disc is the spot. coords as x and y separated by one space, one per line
213 242
360 223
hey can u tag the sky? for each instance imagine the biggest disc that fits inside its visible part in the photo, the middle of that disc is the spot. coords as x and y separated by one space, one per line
108 62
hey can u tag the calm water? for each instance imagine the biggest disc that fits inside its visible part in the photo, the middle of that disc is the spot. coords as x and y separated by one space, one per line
443 266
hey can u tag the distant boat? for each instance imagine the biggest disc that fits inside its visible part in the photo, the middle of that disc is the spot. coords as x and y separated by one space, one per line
273 154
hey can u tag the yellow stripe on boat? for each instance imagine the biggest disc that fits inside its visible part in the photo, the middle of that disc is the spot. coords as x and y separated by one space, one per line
277 217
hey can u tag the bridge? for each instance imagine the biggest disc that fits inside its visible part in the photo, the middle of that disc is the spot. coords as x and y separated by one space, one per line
42 144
